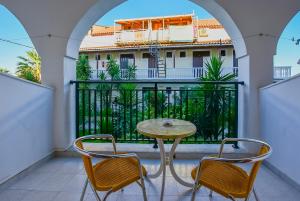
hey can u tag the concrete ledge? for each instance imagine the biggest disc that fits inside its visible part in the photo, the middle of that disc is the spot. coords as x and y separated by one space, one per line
183 151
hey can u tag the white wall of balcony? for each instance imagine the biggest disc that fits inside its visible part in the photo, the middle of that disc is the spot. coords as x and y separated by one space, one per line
214 34
280 125
26 120
89 41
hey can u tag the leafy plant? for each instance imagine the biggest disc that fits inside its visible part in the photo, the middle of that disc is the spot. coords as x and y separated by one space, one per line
113 69
29 67
213 95
131 74
83 68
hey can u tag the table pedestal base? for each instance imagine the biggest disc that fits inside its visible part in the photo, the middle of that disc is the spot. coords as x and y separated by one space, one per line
167 160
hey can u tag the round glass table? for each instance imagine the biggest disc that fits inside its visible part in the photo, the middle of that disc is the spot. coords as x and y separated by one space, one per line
163 129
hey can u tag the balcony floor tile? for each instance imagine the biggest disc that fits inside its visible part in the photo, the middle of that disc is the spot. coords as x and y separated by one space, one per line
62 178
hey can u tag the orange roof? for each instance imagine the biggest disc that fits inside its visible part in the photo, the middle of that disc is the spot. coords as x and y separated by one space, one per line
121 21
226 42
209 23
98 30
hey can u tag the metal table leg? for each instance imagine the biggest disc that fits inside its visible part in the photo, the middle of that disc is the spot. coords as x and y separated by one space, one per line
162 160
171 165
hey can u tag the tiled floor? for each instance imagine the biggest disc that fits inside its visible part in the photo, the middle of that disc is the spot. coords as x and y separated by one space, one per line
61 179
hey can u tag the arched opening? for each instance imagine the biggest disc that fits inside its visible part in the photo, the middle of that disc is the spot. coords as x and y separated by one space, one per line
161 93
18 56
287 58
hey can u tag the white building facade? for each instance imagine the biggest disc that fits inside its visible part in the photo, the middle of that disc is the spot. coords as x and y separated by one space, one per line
172 47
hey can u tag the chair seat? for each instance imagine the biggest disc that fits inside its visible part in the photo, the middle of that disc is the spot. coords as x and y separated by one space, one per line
224 178
116 173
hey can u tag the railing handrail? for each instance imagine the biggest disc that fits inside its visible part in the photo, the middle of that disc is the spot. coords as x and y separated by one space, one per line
165 81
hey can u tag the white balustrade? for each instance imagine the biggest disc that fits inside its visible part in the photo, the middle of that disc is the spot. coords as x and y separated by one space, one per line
171 73
282 72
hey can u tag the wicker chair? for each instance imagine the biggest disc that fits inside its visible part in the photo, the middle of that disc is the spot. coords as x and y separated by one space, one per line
111 174
224 177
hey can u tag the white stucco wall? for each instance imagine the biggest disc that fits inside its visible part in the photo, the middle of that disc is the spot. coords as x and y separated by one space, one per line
280 125
26 120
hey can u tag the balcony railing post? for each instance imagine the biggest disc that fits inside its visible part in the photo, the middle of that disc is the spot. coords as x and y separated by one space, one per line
155 100
155 110
236 106
77 108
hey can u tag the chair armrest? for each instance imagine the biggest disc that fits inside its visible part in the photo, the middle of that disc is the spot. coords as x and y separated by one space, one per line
238 140
98 136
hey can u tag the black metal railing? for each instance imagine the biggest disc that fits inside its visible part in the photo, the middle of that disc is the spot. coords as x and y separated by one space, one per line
116 107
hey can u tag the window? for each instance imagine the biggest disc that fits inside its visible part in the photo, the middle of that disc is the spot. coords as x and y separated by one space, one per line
182 54
223 53
169 54
146 55
97 57
108 57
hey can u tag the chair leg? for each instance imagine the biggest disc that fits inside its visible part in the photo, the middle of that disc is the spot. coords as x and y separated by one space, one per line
95 193
195 189
84 189
144 189
210 193
232 198
106 196
255 194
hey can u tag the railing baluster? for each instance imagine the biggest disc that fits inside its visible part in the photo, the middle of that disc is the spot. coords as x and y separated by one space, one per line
181 104
149 104
229 114
168 92
223 113
124 113
101 112
95 112
174 105
83 112
136 112
162 109
187 105
107 110
89 112
130 113
77 95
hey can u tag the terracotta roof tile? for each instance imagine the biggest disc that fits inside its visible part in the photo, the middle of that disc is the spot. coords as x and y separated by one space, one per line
209 23
98 30
202 43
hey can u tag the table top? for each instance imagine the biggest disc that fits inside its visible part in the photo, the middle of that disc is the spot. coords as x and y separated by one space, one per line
156 128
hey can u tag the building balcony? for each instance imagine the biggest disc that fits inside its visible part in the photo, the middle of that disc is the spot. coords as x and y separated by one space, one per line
279 72
179 73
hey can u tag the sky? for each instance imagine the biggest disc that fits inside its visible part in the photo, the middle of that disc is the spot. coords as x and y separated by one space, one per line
11 29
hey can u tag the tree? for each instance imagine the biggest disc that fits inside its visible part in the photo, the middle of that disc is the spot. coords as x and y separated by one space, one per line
29 67
4 70
83 68
113 69
214 102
